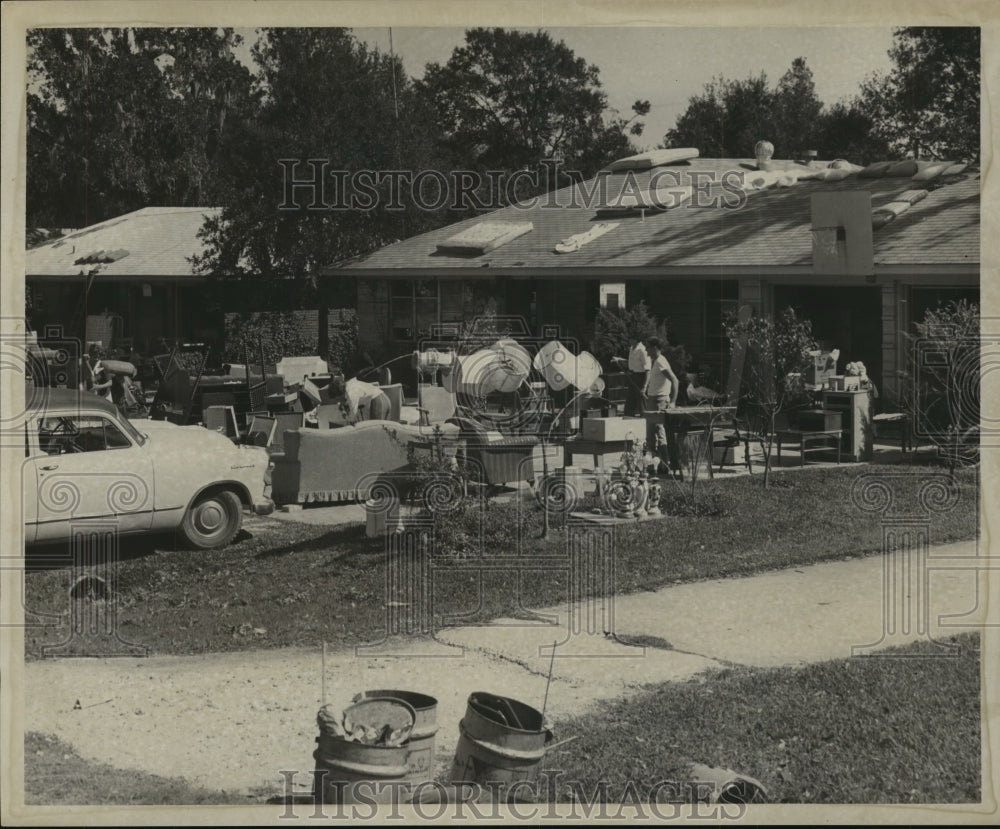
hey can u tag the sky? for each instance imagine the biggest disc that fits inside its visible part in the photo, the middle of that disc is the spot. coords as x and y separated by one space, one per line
666 66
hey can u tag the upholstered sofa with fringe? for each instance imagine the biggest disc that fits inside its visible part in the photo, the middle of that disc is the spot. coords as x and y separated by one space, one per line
333 465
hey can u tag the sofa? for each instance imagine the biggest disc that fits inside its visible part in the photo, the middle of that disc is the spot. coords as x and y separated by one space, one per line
331 465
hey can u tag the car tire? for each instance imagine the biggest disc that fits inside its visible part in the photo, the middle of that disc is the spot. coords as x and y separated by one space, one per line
213 520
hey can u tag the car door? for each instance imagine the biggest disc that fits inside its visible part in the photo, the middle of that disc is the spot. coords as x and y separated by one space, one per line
88 470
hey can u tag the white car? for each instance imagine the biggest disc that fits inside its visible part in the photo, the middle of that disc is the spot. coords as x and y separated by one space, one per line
89 468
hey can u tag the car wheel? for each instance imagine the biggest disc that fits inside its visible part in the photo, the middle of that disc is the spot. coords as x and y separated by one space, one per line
213 520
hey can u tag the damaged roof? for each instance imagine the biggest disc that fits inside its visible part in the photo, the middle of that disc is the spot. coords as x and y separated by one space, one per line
154 241
771 229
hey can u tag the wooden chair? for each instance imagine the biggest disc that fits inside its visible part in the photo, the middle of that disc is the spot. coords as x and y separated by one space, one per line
435 404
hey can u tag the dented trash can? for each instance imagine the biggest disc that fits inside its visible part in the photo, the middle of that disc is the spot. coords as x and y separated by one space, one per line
501 741
420 757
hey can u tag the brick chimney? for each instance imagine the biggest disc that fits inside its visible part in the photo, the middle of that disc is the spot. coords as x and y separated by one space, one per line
842 233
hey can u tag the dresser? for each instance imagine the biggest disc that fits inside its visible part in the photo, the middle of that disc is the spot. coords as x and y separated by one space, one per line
856 420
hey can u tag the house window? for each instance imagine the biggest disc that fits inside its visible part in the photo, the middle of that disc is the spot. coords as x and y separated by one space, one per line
721 299
612 295
414 307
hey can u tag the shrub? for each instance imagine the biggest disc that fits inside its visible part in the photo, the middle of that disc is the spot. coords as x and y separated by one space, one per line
277 334
616 330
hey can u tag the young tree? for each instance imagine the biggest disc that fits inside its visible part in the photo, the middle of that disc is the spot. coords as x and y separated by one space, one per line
509 100
777 355
928 104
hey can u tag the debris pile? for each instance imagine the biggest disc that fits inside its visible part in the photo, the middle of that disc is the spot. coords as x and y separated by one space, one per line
370 722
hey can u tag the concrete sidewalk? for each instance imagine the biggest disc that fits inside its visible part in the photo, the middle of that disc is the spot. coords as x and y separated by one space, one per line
234 721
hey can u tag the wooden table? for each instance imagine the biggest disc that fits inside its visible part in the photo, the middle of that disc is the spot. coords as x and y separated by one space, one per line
801 436
596 449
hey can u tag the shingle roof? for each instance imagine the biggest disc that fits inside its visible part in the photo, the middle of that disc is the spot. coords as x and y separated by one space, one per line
773 228
154 241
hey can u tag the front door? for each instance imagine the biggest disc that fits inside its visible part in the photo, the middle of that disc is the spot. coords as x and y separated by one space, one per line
88 469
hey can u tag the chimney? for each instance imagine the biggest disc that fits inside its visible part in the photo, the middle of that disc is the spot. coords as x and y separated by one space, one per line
842 233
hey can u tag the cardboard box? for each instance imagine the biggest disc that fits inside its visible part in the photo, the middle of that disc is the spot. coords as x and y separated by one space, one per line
842 382
606 429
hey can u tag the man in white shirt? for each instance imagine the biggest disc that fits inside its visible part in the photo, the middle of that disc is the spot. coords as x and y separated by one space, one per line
638 365
662 384
659 394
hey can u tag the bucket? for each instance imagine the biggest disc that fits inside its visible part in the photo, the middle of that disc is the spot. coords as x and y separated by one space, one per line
500 740
420 759
350 772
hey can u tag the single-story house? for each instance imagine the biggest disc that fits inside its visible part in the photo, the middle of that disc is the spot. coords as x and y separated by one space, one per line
131 279
843 253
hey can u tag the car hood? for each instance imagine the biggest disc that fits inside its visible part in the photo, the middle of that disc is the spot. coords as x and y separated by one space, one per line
195 442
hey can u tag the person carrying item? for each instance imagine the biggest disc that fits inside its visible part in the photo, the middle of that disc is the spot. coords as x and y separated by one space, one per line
102 380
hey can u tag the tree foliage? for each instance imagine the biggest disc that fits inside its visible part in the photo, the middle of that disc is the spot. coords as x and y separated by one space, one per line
120 119
327 96
928 104
508 100
727 119
616 330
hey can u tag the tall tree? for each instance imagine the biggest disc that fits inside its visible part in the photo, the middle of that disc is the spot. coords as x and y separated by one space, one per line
727 119
120 119
326 97
796 110
509 100
928 104
845 131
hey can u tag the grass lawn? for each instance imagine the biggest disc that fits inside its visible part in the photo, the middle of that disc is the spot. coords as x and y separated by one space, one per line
861 730
55 775
296 584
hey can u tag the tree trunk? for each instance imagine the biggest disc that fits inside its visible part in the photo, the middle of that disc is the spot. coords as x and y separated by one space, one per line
323 322
769 448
